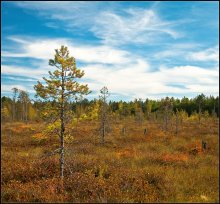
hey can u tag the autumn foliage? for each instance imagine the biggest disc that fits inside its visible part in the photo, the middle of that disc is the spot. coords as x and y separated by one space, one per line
127 168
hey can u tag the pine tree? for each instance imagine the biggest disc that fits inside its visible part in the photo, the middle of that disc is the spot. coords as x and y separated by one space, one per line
62 85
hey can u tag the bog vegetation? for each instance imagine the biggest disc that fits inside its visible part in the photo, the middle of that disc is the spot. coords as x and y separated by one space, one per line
62 147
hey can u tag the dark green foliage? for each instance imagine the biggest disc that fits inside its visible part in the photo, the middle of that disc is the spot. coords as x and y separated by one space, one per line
210 104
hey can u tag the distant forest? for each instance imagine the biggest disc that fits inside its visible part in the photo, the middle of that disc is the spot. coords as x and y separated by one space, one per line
21 108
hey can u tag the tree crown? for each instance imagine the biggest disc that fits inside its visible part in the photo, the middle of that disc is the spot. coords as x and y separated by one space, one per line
62 82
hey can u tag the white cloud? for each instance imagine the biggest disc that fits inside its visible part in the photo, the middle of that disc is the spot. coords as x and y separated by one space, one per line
73 14
211 54
138 82
189 75
8 88
19 79
121 71
176 49
137 26
24 71
44 49
189 52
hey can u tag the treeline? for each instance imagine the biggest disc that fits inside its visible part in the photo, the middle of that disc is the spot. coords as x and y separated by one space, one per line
18 108
21 108
199 103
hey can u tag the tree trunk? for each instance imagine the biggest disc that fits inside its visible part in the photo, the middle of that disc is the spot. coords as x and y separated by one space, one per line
13 111
23 114
123 130
62 131
103 132
165 121
199 114
176 124
26 115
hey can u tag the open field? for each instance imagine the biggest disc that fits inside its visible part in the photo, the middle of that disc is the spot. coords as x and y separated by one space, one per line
158 167
110 102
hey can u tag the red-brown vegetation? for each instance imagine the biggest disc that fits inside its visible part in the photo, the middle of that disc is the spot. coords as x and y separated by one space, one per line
158 167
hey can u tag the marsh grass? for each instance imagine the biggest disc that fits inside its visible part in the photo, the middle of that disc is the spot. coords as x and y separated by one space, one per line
128 168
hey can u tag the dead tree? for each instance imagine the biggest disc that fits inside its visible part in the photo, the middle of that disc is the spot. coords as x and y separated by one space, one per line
103 113
166 108
24 99
145 131
78 109
204 144
214 115
177 122
139 116
15 92
199 100
123 130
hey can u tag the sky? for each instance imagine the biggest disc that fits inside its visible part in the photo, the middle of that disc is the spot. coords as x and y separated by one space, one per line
137 49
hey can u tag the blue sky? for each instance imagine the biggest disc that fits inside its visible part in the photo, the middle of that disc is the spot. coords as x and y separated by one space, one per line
136 49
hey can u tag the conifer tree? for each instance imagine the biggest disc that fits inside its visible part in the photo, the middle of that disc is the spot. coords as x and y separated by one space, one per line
61 86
